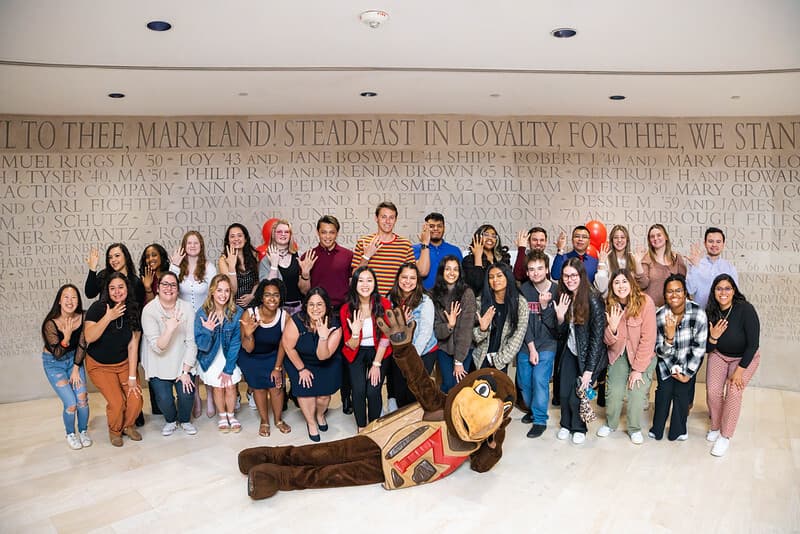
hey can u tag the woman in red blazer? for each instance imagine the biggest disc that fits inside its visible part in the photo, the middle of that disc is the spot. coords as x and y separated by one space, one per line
365 347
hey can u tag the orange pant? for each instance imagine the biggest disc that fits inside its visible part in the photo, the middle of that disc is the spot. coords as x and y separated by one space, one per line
112 381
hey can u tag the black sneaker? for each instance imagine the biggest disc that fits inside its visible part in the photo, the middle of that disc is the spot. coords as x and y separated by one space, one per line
527 418
536 431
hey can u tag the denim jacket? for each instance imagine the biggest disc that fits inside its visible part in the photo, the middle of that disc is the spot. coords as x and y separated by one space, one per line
208 342
423 314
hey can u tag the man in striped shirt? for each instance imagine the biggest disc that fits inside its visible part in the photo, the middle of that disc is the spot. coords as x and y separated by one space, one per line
384 251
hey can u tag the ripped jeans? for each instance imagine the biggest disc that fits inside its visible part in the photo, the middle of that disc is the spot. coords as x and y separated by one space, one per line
75 400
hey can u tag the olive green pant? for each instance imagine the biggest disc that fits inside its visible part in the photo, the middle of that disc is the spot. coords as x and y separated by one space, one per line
617 388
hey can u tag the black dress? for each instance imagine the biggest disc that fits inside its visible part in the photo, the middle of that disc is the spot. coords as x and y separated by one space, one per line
327 373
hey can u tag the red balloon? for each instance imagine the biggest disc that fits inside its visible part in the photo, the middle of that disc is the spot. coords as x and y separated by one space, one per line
597 233
592 251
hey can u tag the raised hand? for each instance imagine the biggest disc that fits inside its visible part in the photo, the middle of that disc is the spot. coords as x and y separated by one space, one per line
396 328
544 299
147 277
602 254
485 320
356 323
561 242
177 256
173 321
230 259
211 322
613 317
322 328
564 301
274 256
373 246
718 328
69 326
670 324
695 254
425 234
248 324
93 259
307 263
452 315
408 313
640 253
116 312
477 247
522 238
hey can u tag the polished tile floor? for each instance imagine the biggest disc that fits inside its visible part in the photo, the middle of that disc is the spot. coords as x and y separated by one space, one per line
191 483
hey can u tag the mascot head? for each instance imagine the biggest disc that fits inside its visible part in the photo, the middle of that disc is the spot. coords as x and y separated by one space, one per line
476 407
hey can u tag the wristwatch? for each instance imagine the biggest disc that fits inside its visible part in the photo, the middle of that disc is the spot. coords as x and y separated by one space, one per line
423 246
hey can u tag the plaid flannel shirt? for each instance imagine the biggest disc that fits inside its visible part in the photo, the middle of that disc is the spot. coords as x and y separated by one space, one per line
688 347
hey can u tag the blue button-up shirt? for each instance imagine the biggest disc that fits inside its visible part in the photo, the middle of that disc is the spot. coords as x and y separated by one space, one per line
436 255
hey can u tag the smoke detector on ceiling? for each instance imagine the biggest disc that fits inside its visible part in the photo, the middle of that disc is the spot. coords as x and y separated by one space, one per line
374 18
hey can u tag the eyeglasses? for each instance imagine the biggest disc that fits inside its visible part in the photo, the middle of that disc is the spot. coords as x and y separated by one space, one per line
489 234
719 289
573 276
170 285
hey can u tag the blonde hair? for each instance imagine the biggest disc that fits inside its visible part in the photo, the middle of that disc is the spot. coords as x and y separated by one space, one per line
669 256
208 304
292 245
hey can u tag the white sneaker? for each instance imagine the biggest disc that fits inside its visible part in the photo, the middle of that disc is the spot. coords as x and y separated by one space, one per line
637 438
73 442
604 431
563 433
169 428
720 446
251 401
578 438
683 437
651 435
189 428
86 441
712 435
238 405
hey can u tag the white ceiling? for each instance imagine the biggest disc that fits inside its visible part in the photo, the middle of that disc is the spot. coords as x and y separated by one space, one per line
678 58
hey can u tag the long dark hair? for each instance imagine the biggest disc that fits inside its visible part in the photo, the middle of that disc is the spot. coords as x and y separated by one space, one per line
511 297
303 313
55 309
163 258
129 266
440 289
249 253
375 298
713 311
131 306
500 252
396 294
578 312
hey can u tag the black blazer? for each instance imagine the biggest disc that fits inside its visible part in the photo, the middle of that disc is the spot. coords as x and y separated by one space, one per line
592 352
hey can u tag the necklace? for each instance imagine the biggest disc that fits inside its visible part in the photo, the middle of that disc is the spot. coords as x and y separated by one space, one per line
729 312
118 323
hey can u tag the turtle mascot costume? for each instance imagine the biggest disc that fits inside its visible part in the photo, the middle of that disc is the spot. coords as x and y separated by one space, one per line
420 443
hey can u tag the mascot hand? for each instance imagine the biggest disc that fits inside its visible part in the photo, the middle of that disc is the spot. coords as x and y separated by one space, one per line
395 327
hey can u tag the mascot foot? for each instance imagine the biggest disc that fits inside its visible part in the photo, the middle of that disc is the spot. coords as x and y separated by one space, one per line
249 458
261 485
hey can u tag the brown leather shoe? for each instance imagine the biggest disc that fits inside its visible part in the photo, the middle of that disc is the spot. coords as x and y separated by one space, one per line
132 433
116 440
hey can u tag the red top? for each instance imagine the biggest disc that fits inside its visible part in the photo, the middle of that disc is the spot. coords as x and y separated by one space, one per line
344 315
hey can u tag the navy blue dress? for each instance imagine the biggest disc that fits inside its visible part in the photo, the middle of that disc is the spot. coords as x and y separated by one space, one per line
257 365
327 373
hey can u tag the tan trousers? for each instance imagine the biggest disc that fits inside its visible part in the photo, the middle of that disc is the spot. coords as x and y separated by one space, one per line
112 381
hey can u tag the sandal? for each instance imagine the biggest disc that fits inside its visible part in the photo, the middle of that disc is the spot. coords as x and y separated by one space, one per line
283 427
223 425
236 426
263 430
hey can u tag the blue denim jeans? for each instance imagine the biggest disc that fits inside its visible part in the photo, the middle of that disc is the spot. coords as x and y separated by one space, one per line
446 366
534 382
75 400
166 401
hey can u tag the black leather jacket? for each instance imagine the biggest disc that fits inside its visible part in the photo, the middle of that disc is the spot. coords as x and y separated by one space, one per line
592 353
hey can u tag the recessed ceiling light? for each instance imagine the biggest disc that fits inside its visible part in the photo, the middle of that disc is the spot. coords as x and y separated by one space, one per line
116 95
369 94
495 95
563 33
374 18
158 25
735 97
617 97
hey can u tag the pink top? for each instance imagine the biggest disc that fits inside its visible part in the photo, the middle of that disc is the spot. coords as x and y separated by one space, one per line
637 335
652 279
